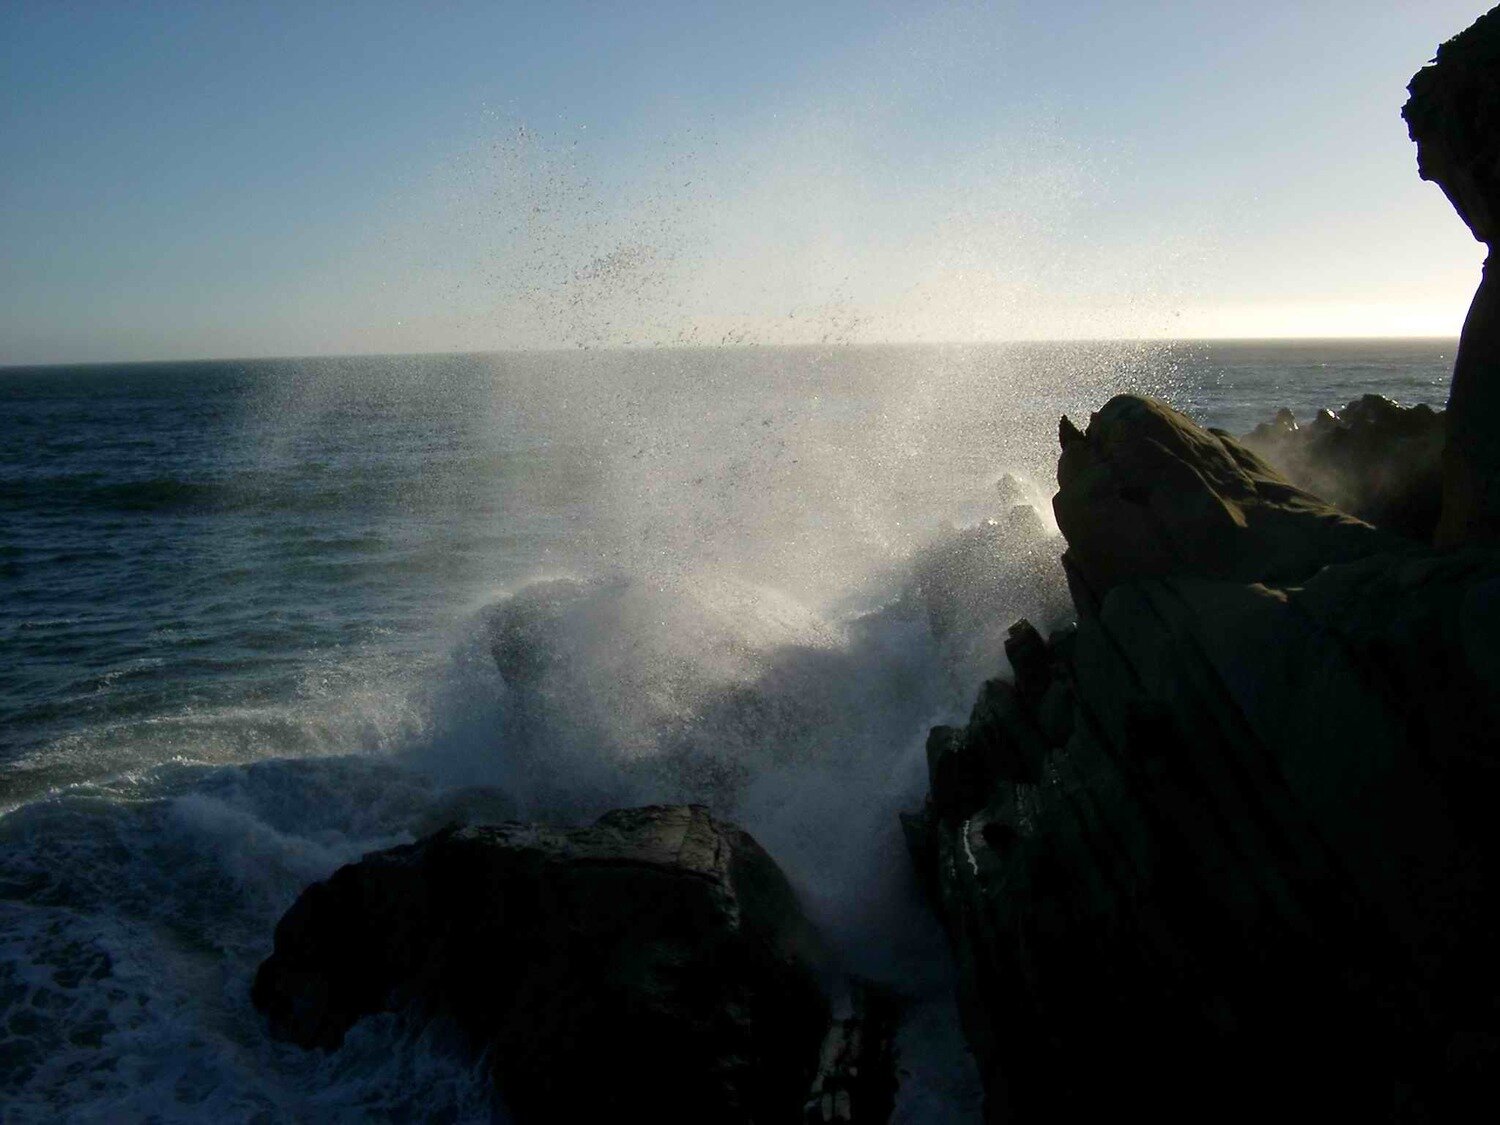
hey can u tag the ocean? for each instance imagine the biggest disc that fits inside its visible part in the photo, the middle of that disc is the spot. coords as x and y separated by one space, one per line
260 617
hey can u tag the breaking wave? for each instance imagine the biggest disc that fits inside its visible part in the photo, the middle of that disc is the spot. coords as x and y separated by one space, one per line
136 909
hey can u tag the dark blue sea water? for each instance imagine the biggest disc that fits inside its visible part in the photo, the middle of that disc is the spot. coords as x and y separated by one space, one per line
244 637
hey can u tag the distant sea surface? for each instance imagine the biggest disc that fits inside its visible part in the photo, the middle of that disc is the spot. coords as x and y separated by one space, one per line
243 639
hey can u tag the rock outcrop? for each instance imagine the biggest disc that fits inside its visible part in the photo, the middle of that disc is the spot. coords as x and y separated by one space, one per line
1224 849
655 965
1375 459
1145 493
1453 115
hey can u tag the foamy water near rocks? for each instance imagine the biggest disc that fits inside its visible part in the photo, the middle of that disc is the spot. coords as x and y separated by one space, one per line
1222 849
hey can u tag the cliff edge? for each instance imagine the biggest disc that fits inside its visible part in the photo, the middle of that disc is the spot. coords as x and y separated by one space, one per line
1453 115
1224 848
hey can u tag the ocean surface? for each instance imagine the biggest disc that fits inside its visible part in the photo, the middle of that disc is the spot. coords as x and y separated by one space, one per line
259 617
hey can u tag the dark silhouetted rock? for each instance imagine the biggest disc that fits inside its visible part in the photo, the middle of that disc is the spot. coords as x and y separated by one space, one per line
1453 115
655 965
1375 459
1225 850
1258 867
1146 493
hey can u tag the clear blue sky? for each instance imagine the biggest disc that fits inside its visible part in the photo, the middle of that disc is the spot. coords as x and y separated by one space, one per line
182 180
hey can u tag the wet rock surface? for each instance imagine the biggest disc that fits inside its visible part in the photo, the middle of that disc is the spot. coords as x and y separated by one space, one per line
655 964
1225 847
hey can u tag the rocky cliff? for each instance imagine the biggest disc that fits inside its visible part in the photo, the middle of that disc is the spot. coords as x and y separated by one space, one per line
1226 842
1224 849
1453 115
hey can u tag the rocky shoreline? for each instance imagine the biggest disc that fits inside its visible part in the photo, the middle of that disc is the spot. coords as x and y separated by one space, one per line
1230 832
1225 847
1220 848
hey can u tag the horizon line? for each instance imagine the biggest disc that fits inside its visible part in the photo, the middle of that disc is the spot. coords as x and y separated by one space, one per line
737 346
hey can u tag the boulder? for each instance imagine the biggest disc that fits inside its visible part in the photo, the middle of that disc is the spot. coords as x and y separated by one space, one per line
1375 459
1144 492
653 965
1453 115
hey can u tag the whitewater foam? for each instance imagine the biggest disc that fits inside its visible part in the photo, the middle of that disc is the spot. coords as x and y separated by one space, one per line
520 589
136 908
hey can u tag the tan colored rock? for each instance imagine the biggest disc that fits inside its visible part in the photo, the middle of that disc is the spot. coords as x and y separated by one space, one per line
1258 860
1145 492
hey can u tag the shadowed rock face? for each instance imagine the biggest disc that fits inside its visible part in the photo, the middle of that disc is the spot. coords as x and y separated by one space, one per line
1144 492
1453 115
653 966
1376 459
1225 849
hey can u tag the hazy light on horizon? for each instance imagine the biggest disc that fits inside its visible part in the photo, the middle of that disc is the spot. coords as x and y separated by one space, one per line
188 183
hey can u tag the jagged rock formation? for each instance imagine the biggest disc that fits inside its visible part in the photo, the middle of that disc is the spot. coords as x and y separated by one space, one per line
1224 849
654 966
1375 459
1453 115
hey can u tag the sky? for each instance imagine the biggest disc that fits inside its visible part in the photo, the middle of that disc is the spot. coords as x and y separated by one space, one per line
189 180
